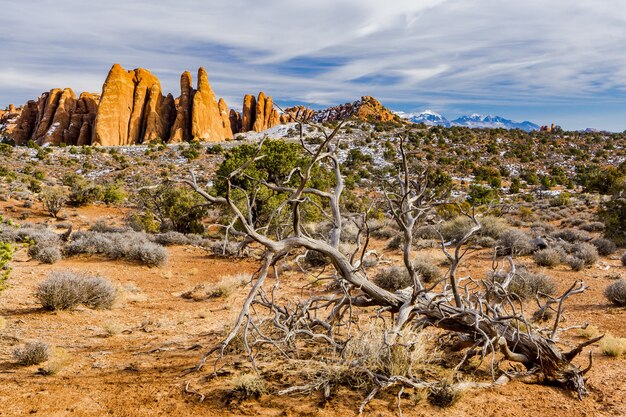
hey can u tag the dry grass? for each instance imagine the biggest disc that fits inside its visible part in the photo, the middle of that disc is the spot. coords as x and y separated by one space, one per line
249 385
589 332
227 285
613 346
58 360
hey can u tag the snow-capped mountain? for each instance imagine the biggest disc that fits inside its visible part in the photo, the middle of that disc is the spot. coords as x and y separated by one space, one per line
489 121
431 118
428 117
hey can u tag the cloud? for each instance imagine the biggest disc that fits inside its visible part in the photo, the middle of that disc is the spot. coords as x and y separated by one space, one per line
455 55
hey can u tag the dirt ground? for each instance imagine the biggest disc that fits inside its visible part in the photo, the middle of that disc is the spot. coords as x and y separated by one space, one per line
131 360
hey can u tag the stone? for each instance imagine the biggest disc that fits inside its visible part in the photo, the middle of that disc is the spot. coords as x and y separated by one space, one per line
207 124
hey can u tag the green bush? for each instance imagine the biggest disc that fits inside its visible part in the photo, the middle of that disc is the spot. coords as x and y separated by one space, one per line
6 255
173 207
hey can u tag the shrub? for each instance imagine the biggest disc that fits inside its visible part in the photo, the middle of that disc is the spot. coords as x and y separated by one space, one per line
592 227
393 278
492 227
113 194
64 290
585 251
47 254
616 292
33 353
605 247
426 269
575 263
53 199
395 242
514 242
548 257
171 238
455 229
82 191
572 235
525 284
131 246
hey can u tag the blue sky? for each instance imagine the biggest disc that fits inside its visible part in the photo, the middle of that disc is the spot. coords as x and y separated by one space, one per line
561 61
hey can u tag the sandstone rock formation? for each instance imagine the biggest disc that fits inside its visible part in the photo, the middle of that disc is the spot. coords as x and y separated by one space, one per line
182 124
235 121
207 123
132 109
248 113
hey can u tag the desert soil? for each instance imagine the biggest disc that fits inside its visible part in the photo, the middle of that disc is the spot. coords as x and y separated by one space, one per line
132 360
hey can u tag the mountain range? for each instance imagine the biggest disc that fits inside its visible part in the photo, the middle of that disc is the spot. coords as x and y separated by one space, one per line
431 118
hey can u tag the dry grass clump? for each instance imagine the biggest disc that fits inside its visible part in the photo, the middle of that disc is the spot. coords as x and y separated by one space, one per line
548 257
32 353
64 290
589 332
227 285
393 278
370 350
616 293
613 346
605 247
249 385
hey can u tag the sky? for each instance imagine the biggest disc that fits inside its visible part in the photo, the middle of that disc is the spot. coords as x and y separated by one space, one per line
557 61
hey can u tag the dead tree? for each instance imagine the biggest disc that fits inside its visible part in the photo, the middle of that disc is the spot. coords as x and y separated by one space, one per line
489 320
